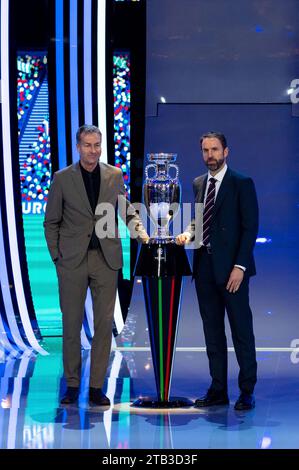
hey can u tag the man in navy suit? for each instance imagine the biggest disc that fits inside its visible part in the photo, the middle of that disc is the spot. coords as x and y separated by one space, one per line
222 266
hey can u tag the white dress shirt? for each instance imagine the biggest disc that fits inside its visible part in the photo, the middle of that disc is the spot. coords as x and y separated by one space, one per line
219 177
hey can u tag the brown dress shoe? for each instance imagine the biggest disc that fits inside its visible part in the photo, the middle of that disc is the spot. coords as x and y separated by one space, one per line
70 396
97 397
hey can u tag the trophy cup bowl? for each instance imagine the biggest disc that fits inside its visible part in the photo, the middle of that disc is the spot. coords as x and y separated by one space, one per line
162 194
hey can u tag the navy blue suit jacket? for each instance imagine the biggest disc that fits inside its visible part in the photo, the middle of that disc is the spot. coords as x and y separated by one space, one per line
234 224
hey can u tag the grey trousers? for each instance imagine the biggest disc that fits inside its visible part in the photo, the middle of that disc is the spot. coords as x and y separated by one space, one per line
95 273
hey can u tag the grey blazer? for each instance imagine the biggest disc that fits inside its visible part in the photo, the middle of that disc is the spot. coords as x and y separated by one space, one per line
69 220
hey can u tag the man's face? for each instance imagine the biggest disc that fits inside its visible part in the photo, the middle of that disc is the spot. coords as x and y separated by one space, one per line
214 154
89 149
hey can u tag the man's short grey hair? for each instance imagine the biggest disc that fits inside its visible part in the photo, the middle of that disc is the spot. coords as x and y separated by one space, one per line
87 129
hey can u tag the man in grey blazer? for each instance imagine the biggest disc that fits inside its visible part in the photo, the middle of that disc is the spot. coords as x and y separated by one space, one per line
85 246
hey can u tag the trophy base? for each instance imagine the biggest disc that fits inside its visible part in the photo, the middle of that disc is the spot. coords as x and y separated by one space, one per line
162 259
162 240
154 403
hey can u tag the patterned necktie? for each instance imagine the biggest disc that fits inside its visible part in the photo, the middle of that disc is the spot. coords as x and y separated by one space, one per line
208 211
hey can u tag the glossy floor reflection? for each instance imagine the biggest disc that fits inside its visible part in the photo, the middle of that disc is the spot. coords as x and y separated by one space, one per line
31 417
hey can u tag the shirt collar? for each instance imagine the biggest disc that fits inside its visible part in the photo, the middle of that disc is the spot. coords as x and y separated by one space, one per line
219 177
89 173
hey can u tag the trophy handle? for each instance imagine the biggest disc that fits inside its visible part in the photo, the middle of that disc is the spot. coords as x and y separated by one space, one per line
150 165
172 165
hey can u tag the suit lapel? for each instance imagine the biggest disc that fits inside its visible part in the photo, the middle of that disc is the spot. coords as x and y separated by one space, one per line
104 182
79 184
201 190
225 185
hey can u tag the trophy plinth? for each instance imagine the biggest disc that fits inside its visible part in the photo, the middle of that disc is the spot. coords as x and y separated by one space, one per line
162 264
160 259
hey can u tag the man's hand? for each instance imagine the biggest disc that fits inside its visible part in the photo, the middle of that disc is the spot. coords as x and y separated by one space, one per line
235 279
183 238
145 239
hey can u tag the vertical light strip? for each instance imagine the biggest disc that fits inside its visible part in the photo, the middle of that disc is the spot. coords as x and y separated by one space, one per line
161 353
60 102
101 79
15 407
150 319
9 310
5 345
122 115
13 413
101 82
118 318
87 63
4 384
85 343
122 147
9 190
111 390
89 313
74 74
177 323
169 354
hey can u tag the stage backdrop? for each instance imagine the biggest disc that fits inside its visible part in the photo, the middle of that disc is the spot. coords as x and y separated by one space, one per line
227 66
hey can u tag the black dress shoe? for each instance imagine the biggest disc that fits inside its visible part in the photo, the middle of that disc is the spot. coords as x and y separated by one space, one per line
212 398
97 397
70 396
245 401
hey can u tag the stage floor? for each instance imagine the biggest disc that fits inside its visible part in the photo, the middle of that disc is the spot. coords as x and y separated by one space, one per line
32 418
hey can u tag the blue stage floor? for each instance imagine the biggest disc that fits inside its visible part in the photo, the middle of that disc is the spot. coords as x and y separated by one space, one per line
31 417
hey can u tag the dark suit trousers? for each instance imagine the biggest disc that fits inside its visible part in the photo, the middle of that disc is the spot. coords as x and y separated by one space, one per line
213 301
95 273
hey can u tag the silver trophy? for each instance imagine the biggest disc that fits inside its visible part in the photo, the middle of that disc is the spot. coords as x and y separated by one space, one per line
162 194
162 264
